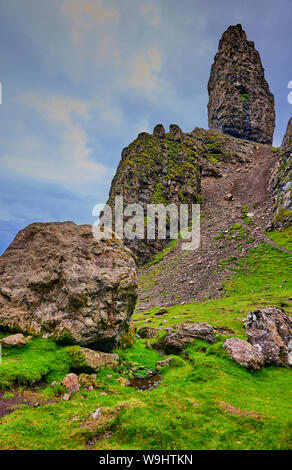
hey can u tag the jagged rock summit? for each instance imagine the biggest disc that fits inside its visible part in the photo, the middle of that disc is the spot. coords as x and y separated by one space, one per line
240 102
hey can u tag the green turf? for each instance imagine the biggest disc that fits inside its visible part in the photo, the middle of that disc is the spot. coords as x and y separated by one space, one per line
192 407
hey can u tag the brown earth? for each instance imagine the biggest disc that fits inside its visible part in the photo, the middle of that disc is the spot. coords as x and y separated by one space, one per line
188 276
28 396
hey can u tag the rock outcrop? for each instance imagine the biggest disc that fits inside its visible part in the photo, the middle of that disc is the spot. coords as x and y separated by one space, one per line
270 331
58 282
244 353
166 168
240 102
156 168
186 333
281 183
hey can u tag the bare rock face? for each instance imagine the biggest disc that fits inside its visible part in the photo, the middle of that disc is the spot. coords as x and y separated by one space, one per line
244 353
281 183
287 139
270 330
176 342
240 102
57 281
159 131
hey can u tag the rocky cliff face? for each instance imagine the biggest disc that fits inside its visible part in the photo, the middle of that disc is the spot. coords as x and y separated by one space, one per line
158 168
281 183
165 168
57 281
240 102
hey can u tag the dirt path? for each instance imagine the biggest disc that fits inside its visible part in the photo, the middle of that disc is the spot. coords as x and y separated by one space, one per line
268 240
187 276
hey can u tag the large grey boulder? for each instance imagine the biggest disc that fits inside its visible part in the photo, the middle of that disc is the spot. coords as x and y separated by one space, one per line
244 353
57 281
270 330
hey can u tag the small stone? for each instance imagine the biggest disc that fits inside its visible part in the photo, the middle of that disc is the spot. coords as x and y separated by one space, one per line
122 381
96 414
54 383
71 384
163 363
66 397
228 197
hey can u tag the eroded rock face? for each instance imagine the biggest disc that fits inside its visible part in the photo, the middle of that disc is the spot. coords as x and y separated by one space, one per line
244 353
270 330
240 102
176 342
156 168
281 183
57 281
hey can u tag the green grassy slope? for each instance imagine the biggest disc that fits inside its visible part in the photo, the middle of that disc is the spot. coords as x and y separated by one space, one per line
205 401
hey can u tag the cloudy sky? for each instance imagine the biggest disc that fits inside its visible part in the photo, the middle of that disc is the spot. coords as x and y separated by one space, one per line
81 78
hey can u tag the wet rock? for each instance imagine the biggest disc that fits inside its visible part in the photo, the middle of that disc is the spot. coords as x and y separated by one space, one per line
244 353
87 360
70 382
270 330
176 342
240 102
57 280
15 341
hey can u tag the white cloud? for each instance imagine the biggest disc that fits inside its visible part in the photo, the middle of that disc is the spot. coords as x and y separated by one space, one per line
67 161
144 71
85 15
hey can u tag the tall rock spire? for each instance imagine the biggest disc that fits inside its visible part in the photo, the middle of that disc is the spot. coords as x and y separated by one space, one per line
240 101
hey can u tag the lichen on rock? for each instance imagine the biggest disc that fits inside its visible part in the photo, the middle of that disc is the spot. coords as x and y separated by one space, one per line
59 282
